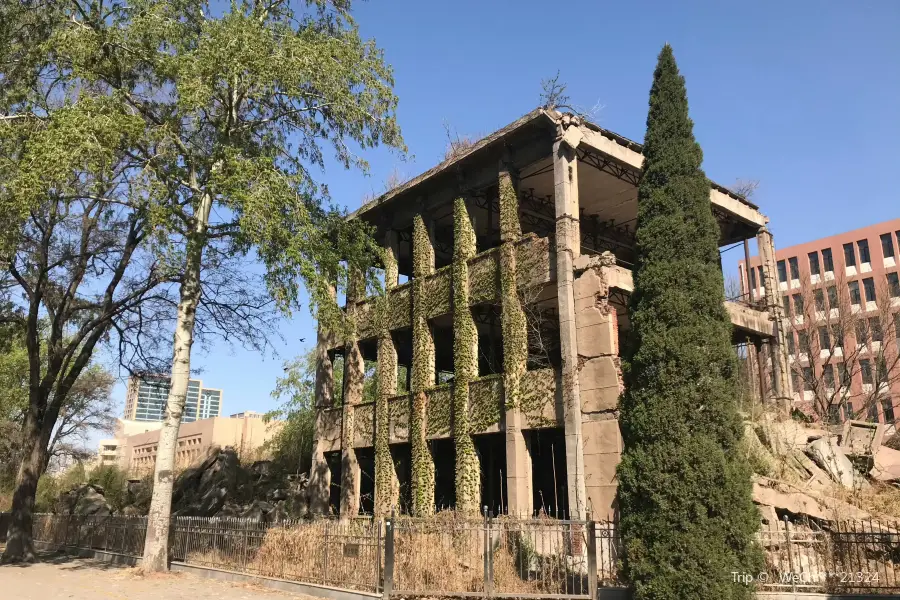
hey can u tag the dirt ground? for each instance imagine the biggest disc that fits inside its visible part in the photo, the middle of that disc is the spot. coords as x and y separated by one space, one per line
65 577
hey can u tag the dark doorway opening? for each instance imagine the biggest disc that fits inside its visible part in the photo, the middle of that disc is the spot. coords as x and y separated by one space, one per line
366 459
548 472
400 453
491 448
443 452
333 460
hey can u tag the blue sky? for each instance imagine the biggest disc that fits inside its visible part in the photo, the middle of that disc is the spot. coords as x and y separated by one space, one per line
802 96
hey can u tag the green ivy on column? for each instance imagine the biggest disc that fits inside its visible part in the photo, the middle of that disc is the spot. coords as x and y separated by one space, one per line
422 374
515 329
385 477
465 361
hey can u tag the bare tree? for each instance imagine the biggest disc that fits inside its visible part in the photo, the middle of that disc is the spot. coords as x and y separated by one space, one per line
745 187
457 144
89 408
843 359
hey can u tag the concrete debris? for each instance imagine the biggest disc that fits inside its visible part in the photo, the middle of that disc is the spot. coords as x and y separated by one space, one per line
861 438
826 453
794 501
786 436
887 465
83 499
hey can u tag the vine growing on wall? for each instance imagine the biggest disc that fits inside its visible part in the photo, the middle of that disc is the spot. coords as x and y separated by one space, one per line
386 485
422 374
515 327
465 363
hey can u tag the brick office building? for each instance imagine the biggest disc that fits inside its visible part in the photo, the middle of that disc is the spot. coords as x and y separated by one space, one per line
840 308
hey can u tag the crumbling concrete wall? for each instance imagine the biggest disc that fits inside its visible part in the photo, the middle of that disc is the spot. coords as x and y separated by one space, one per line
600 382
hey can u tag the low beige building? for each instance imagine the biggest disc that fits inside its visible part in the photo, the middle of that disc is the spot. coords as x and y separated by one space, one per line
245 434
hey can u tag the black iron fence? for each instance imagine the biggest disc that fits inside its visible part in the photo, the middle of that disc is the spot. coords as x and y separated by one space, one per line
451 555
345 554
856 556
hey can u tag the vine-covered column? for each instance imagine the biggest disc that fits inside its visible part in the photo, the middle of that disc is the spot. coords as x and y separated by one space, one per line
465 363
422 373
386 484
515 351
354 373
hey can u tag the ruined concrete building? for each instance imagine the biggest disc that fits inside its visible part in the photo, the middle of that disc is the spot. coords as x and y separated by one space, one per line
496 346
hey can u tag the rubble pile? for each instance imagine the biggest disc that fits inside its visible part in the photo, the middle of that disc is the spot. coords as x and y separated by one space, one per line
218 486
804 471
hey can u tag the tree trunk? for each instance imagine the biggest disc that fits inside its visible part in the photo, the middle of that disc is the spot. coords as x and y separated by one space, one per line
19 543
156 544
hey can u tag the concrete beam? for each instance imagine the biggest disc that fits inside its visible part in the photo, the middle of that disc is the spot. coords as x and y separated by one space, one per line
599 143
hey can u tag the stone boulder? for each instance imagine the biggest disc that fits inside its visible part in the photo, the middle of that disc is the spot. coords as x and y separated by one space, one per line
84 499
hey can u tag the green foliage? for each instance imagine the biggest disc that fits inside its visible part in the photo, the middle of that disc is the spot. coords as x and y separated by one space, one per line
115 485
387 387
510 228
422 483
291 446
465 362
51 486
684 491
515 327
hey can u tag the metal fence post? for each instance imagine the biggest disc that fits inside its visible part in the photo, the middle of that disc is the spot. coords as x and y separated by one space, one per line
592 558
488 558
389 526
787 535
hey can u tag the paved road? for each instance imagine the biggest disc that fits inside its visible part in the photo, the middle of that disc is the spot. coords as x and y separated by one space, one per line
62 577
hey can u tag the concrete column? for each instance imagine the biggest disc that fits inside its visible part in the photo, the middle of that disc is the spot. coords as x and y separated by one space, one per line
422 480
387 487
599 382
777 345
565 178
320 475
392 253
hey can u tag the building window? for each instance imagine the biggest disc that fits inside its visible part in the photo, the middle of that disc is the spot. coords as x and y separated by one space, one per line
795 268
792 348
814 263
782 271
837 335
828 376
786 304
869 286
804 341
863 246
798 304
876 330
752 273
887 245
832 296
762 280
872 413
894 284
808 379
862 333
824 338
855 298
844 374
834 414
820 299
887 409
865 367
827 260
849 255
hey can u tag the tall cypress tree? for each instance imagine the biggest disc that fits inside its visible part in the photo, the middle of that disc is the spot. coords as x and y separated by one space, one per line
688 521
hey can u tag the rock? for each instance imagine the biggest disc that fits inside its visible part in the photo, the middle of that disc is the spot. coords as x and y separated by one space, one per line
132 511
279 494
826 453
92 502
